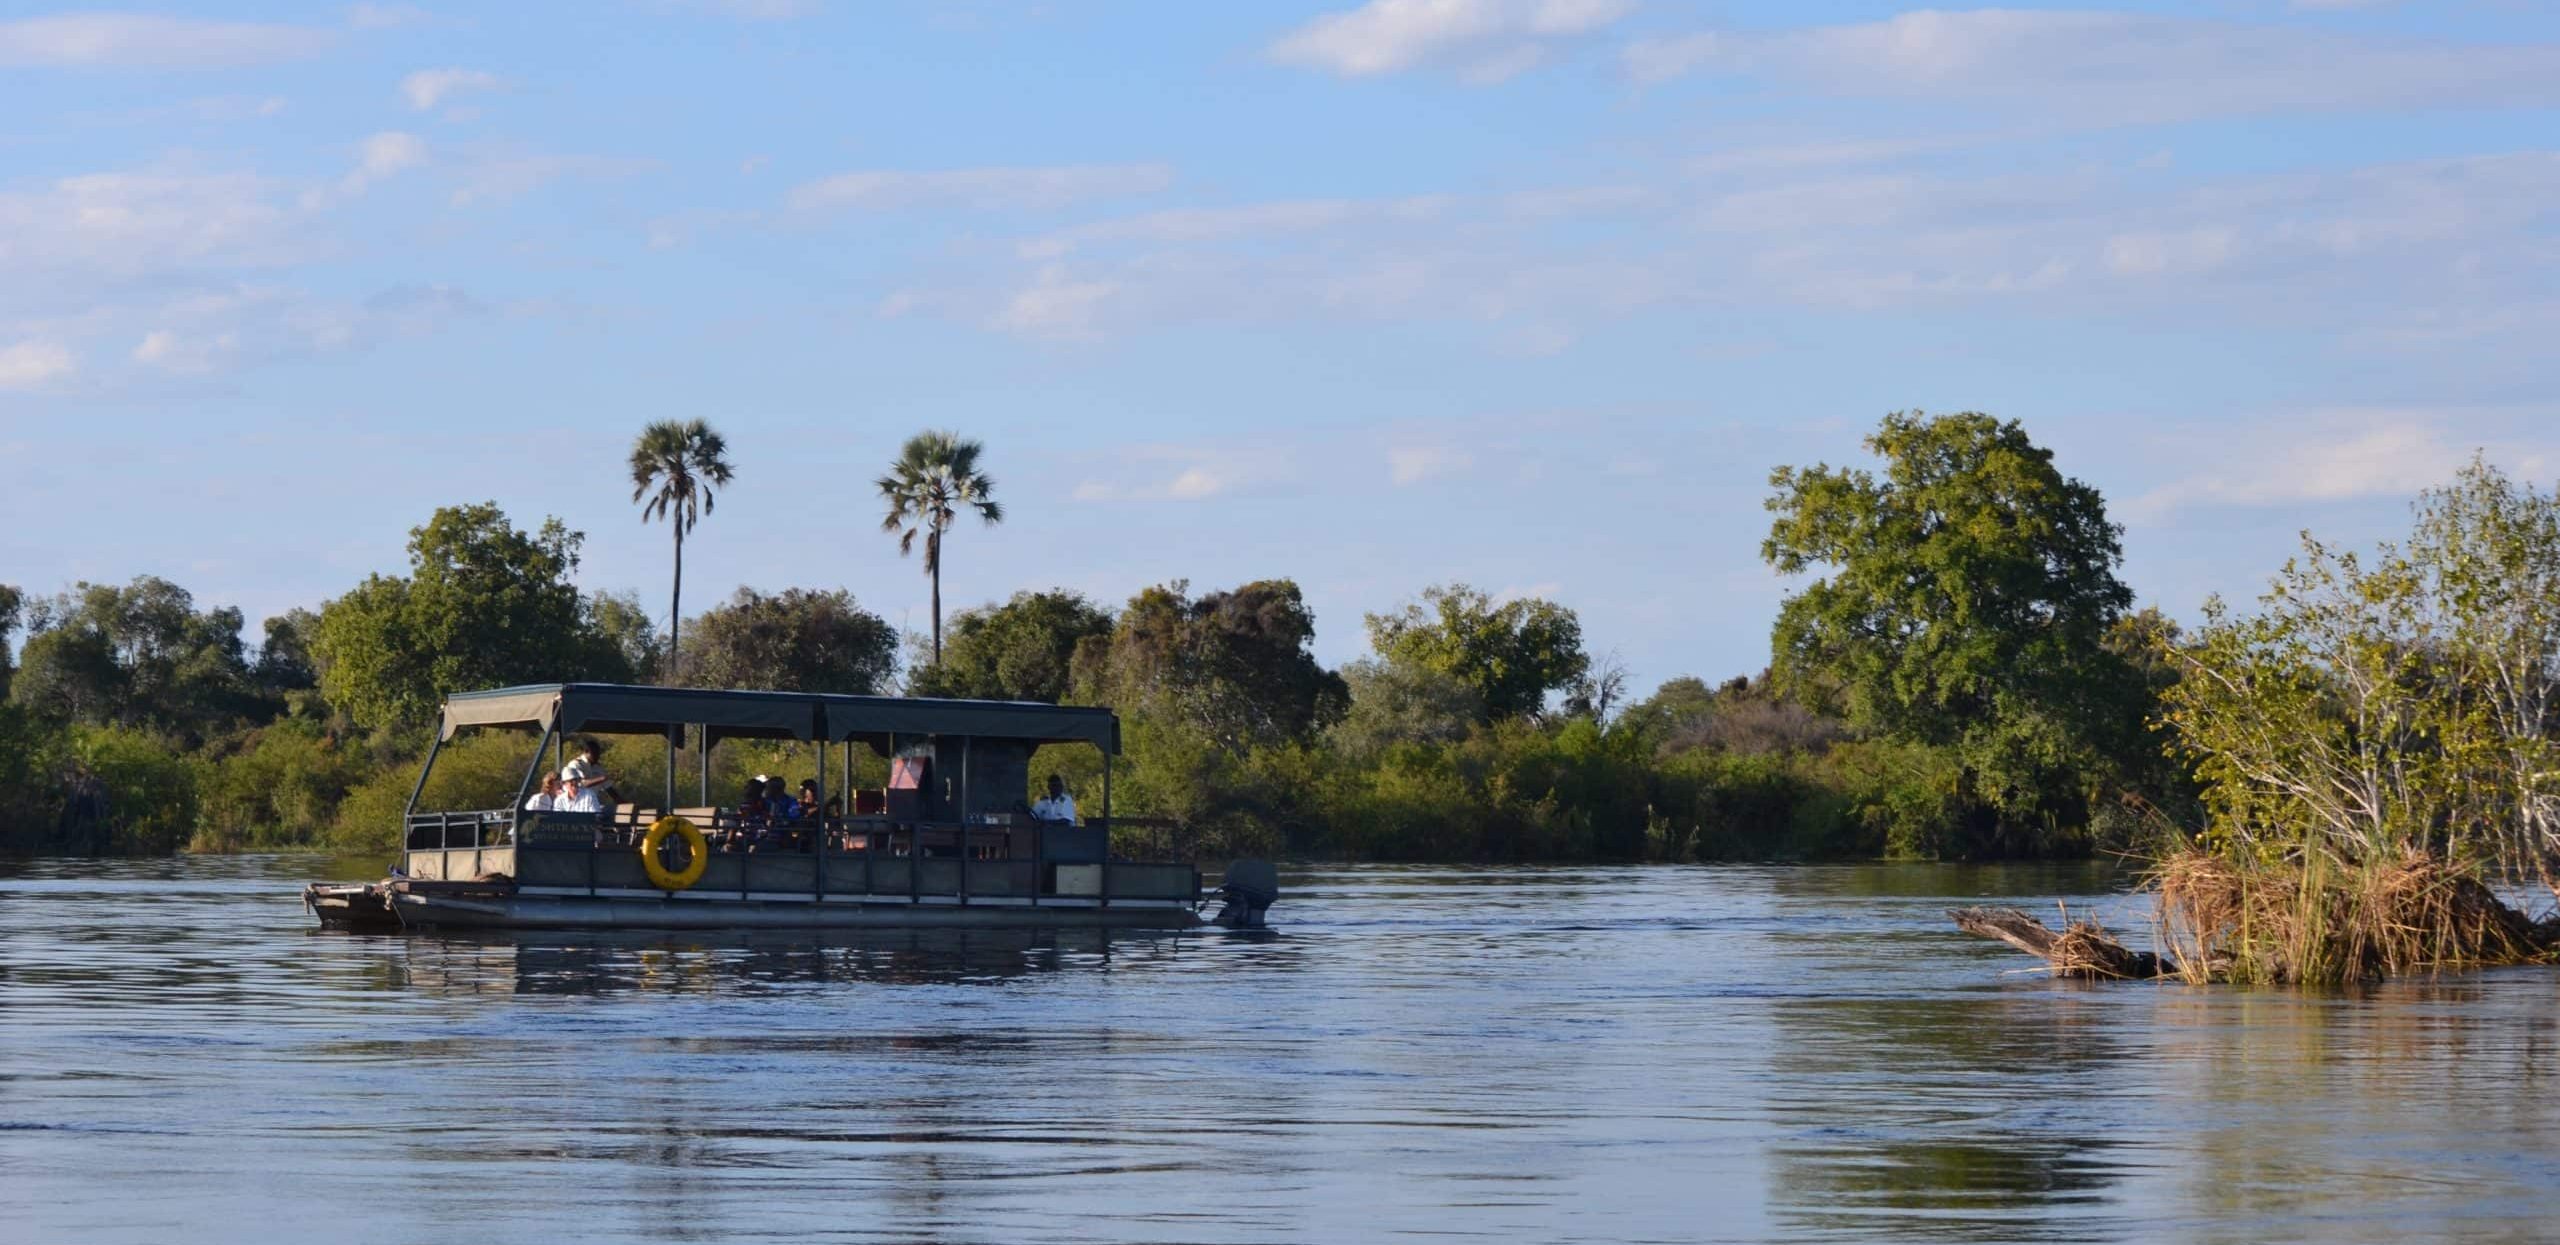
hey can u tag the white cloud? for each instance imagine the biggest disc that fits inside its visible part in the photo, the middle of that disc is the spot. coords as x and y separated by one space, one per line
380 156
985 189
1483 40
1412 464
140 223
192 354
384 16
28 364
1210 224
429 87
496 176
1056 305
746 10
137 41
2110 68
1184 472
2331 456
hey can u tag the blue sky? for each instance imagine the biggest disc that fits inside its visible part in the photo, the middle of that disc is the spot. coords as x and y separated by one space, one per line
1526 293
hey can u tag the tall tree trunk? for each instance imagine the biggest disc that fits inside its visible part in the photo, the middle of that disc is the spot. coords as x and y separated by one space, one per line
675 611
933 560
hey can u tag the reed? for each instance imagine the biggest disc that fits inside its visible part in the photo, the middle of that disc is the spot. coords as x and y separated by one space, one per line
2317 919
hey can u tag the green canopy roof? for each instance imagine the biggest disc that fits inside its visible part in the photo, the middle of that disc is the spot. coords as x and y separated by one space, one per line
616 709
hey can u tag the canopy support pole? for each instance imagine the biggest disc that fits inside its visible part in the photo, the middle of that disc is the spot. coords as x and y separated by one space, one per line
414 792
675 737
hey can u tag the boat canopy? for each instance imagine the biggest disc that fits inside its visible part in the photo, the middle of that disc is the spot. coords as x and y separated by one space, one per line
619 709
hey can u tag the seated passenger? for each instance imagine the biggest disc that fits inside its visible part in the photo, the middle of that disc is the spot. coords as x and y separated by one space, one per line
808 797
547 798
779 800
1057 806
751 801
575 796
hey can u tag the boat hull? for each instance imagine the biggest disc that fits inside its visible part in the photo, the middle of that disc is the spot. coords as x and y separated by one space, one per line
520 911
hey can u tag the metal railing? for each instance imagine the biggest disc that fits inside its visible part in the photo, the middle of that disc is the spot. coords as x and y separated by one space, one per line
493 827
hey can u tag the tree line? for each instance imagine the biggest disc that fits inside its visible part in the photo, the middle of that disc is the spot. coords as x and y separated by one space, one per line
1960 673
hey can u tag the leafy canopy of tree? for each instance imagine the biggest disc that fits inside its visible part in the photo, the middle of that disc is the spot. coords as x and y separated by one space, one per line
626 627
11 602
1513 653
2372 706
1235 666
139 655
1395 703
1023 649
485 604
675 466
797 640
1968 595
935 477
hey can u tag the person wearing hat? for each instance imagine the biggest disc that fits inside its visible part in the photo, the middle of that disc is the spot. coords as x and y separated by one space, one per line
588 768
576 796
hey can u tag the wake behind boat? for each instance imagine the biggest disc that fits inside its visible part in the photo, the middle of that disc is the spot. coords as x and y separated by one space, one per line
948 841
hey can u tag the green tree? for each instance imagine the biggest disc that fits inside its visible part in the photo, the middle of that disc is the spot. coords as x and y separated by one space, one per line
138 655
1969 596
936 476
1235 666
284 660
1023 649
1679 705
485 604
12 602
798 640
2406 700
675 465
625 626
1396 703
1513 652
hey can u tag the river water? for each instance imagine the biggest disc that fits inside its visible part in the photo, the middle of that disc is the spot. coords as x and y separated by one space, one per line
1619 1054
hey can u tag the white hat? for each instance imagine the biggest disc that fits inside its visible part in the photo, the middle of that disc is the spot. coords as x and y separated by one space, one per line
571 773
764 778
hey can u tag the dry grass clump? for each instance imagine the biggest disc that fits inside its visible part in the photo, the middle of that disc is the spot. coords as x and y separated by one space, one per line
2315 919
2085 949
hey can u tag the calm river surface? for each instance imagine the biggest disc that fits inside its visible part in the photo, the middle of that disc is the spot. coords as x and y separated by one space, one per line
1637 1054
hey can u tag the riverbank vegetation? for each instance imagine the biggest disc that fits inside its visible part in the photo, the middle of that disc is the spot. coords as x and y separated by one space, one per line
1475 728
1960 674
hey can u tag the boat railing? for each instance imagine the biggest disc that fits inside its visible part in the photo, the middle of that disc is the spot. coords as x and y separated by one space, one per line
492 827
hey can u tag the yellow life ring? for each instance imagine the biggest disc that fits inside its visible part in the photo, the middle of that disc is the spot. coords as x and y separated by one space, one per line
659 875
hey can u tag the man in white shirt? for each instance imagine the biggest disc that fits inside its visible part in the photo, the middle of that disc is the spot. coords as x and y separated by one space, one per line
1057 805
576 796
588 768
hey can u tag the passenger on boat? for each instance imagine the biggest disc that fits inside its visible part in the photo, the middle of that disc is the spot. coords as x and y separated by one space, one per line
778 799
588 768
808 797
1057 805
576 796
545 800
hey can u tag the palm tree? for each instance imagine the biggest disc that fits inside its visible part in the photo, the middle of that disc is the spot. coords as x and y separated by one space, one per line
935 475
681 461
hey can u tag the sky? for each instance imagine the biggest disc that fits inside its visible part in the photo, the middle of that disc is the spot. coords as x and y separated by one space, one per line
1527 294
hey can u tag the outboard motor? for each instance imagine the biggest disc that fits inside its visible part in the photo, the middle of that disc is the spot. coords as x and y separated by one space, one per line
1250 886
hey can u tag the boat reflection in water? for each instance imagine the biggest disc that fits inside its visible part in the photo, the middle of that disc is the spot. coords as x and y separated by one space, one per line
603 962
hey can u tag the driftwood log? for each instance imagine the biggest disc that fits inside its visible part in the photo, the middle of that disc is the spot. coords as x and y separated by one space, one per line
2080 949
